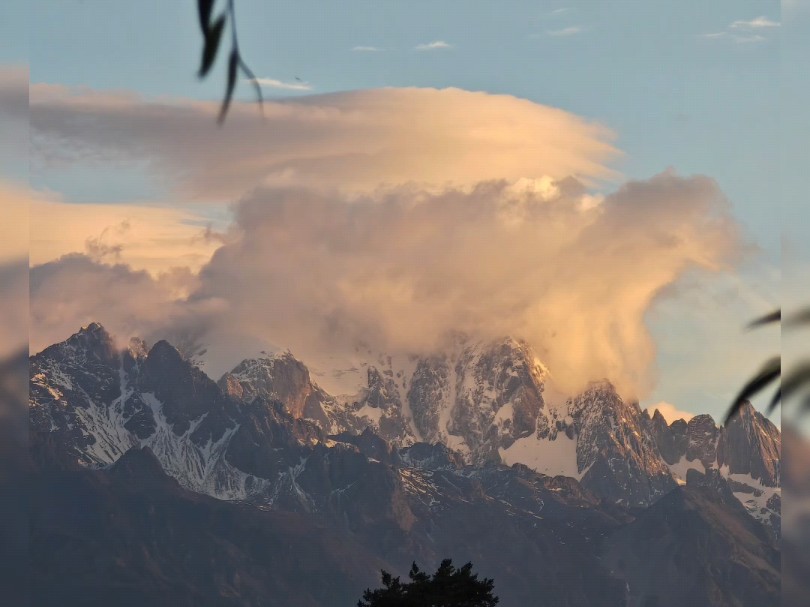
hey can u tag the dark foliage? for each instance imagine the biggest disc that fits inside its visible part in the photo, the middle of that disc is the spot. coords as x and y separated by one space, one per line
212 36
448 587
789 384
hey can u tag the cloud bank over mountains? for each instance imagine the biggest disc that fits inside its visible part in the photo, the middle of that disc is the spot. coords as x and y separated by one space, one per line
393 218
355 140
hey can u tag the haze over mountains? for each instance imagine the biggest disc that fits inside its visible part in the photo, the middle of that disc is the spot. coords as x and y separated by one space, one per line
459 455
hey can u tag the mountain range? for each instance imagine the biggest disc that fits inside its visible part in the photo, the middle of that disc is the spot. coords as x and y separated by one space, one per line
237 491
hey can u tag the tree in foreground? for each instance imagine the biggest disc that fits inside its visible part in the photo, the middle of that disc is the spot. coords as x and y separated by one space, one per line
448 587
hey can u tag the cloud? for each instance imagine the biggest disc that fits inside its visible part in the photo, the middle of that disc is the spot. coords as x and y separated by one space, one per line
742 32
746 39
757 23
567 31
405 269
14 203
392 218
14 93
367 49
433 46
145 237
354 140
14 122
76 290
285 86
670 412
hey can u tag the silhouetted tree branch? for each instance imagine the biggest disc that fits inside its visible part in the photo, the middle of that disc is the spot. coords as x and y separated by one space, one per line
212 37
791 383
448 587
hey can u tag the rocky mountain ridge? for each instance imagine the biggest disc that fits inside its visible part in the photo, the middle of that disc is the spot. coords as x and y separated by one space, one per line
268 438
484 401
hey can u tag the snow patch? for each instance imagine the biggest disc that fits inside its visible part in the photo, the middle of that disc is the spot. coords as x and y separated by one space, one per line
556 457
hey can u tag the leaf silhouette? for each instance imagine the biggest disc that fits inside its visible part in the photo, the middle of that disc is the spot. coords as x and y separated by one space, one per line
777 398
775 316
211 45
233 68
770 372
255 82
798 377
205 7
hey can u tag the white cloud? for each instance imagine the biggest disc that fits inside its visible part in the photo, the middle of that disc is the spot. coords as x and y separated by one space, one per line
670 412
286 86
367 49
743 32
354 140
392 217
402 269
567 31
433 46
757 23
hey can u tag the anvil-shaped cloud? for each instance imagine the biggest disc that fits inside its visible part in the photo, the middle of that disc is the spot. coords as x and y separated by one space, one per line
394 218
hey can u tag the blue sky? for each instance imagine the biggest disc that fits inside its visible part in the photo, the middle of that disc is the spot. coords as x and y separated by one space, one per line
692 85
675 98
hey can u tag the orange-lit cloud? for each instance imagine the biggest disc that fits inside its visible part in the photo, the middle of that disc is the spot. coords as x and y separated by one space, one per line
352 140
404 269
393 218
151 238
14 202
14 199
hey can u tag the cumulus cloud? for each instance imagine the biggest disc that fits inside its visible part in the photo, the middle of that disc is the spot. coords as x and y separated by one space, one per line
404 270
354 140
670 412
76 290
366 49
436 45
485 226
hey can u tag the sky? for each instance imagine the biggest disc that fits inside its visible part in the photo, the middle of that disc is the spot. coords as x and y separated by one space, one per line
674 109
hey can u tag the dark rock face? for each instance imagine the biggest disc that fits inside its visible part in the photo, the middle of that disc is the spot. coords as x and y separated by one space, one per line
691 548
430 385
621 461
281 378
186 393
672 441
747 452
750 444
284 379
131 536
702 435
